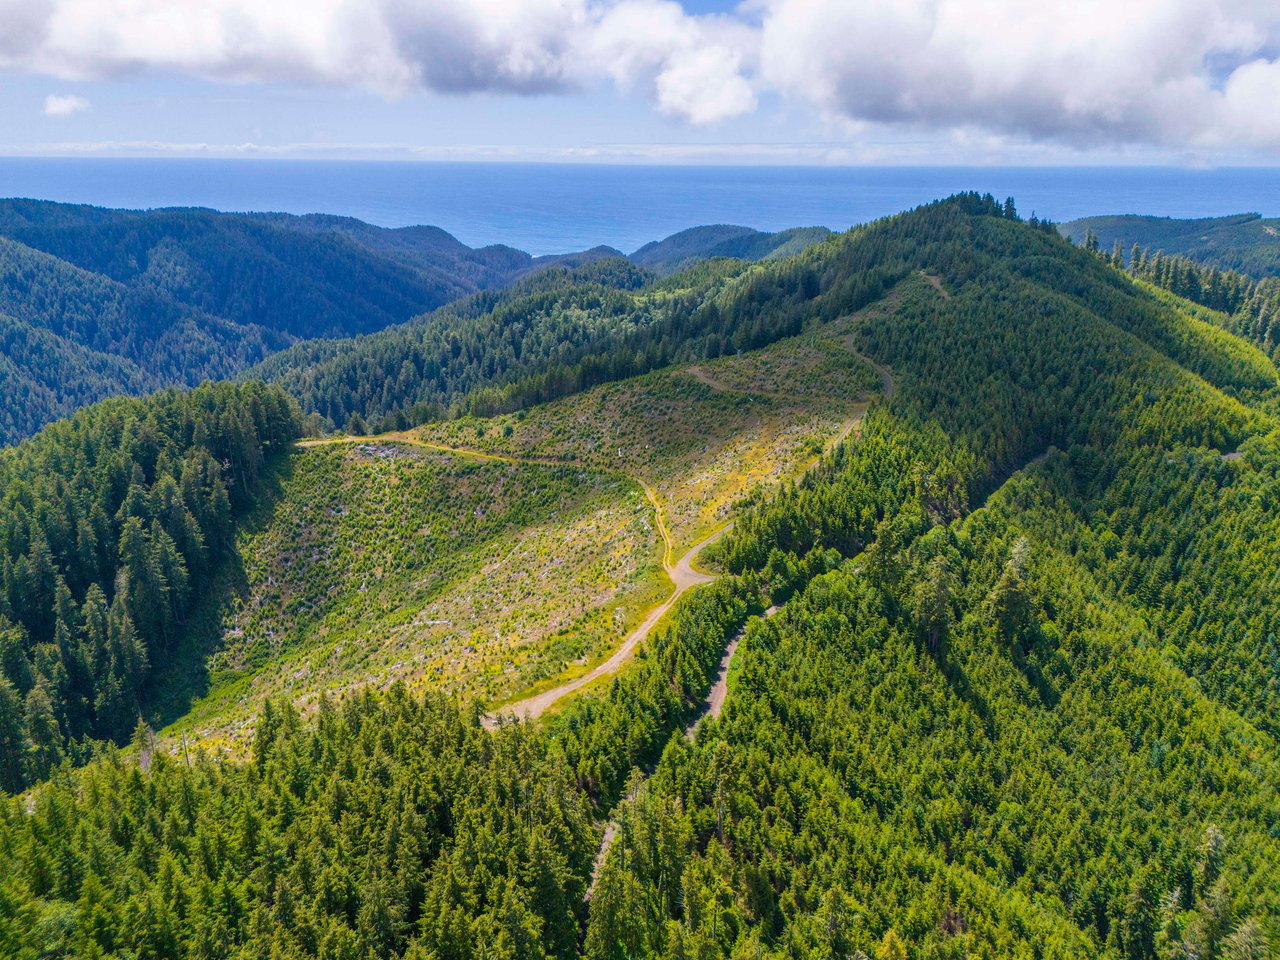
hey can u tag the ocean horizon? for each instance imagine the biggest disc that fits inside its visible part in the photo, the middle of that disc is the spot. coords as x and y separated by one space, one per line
548 208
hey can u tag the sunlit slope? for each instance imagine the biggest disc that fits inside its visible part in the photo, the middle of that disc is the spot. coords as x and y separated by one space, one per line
386 561
707 437
483 558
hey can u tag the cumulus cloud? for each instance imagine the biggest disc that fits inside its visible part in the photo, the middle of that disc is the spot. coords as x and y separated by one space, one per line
63 105
693 66
1171 73
1166 72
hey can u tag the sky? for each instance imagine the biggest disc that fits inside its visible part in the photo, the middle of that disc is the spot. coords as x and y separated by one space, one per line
1185 82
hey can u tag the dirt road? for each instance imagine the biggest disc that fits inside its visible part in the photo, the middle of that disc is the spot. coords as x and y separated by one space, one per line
683 578
681 572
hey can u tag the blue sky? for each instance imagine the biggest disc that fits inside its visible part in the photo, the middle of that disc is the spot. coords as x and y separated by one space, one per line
767 81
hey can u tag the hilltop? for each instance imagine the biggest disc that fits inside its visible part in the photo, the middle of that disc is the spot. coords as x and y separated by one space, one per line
682 250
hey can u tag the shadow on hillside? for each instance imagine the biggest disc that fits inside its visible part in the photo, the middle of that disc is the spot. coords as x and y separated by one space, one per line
184 676
958 683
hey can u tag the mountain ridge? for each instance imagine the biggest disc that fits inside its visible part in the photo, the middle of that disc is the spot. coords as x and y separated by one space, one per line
1017 697
189 293
1246 242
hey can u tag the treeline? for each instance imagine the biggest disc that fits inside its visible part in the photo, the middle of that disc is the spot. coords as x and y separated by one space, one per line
563 332
1252 306
111 521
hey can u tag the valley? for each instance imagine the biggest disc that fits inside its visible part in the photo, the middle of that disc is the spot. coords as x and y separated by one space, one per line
96 302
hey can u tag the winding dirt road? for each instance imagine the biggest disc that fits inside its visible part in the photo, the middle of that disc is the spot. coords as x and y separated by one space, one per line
714 703
711 707
683 578
887 386
681 572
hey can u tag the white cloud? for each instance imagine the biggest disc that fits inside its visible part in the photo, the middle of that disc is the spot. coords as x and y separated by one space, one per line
393 46
705 85
1182 74
63 105
698 65
1086 72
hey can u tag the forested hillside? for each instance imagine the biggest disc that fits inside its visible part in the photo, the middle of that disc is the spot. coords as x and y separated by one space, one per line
43 377
99 302
682 250
981 732
1247 242
112 523
564 331
74 336
1010 691
1235 301
303 276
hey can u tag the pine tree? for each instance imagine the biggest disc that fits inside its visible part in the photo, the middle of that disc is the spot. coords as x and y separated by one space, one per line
891 947
932 610
44 739
11 737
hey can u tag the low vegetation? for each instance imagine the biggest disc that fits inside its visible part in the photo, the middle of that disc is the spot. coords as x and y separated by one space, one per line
382 560
484 575
708 437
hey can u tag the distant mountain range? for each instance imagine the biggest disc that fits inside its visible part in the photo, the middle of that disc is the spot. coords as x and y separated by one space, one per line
97 302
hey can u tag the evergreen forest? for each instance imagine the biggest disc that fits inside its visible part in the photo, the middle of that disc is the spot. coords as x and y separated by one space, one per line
997 675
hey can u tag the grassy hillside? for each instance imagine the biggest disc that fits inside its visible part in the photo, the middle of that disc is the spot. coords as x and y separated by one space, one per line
384 560
1017 699
408 557
708 437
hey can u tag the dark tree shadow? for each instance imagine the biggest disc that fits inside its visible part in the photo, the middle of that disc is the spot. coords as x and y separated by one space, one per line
183 675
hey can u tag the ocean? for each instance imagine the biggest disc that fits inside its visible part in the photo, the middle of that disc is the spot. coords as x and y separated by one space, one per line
554 208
